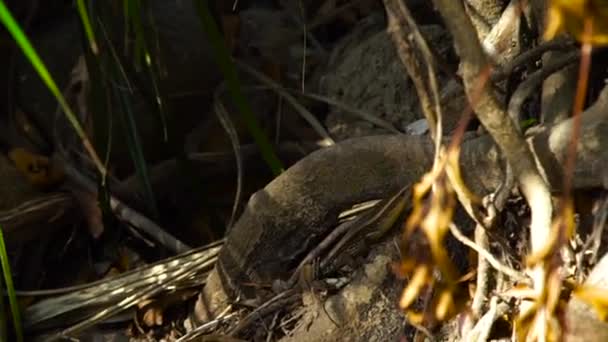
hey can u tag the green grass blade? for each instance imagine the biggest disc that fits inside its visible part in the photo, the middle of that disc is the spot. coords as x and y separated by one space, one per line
28 50
119 76
3 331
86 23
133 16
224 61
10 289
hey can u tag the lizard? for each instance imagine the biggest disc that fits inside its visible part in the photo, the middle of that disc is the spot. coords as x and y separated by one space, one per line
353 237
373 226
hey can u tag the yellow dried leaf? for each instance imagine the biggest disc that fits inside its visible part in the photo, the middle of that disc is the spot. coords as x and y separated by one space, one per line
538 321
39 170
570 16
596 297
419 280
415 317
445 305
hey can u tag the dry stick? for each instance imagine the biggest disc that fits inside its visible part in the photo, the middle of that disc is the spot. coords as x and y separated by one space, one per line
145 293
306 33
493 203
530 55
44 209
304 46
485 276
504 38
525 89
402 29
321 247
208 326
374 119
480 233
430 62
514 274
129 215
482 329
224 118
280 300
306 115
385 217
502 129
500 196
397 9
358 113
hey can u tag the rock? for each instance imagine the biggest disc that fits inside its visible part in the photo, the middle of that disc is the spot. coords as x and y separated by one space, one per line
365 73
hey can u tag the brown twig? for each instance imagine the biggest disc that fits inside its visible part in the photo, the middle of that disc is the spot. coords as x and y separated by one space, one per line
404 32
279 301
208 326
321 247
276 87
126 214
502 129
229 128
530 55
483 281
488 256
482 329
45 209
525 89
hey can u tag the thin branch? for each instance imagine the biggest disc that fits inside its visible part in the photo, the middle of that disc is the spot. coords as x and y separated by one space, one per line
531 55
403 31
304 113
125 213
275 303
484 278
224 118
497 265
482 329
527 87
494 118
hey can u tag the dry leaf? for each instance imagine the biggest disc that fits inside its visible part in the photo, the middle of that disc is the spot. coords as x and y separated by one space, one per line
596 297
570 16
39 170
